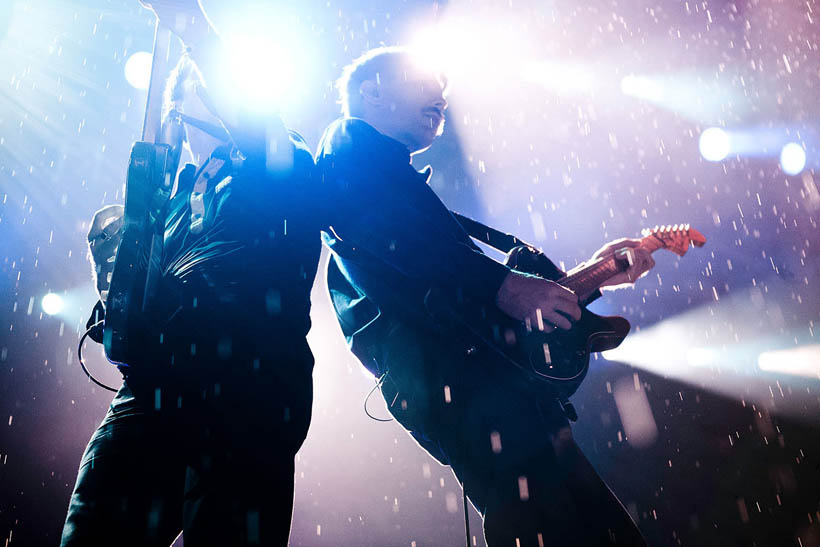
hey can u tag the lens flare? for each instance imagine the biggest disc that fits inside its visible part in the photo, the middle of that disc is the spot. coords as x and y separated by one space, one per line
138 69
714 144
52 303
792 158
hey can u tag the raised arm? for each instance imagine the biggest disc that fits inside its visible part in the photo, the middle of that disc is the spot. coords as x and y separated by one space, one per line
188 20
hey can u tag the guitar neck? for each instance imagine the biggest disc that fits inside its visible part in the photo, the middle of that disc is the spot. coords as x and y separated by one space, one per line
591 276
160 68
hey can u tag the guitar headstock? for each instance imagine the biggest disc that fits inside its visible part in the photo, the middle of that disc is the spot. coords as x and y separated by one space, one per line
676 238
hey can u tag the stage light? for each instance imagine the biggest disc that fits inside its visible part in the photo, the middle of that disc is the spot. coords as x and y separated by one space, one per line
799 361
642 88
52 303
701 357
467 42
792 158
728 350
138 69
262 69
714 144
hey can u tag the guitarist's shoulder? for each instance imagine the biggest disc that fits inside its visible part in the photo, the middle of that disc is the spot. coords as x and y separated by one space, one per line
352 138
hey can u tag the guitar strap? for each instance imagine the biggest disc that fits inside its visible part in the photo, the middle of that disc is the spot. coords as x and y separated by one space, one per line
502 241
494 238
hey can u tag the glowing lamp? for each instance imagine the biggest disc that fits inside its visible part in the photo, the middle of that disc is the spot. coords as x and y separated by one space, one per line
792 158
714 144
138 69
52 303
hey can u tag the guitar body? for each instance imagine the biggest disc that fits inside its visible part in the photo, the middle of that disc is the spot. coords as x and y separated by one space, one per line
137 266
560 357
558 360
138 259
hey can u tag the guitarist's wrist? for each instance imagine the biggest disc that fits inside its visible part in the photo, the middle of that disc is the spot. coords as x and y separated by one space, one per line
508 295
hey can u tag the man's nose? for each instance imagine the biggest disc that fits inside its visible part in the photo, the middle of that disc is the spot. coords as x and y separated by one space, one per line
441 103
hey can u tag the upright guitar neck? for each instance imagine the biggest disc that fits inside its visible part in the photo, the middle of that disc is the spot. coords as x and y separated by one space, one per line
160 68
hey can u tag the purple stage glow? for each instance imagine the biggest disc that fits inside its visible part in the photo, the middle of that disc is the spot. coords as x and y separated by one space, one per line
570 124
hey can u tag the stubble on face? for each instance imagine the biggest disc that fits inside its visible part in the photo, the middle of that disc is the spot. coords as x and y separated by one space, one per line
418 111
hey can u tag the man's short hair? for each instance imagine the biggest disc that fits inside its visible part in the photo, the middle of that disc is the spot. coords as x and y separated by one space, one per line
370 66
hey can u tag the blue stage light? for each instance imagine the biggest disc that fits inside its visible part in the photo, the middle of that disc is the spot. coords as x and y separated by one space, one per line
138 69
792 158
52 303
714 144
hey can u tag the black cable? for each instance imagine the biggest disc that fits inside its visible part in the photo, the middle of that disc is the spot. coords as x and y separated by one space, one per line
466 513
378 385
80 356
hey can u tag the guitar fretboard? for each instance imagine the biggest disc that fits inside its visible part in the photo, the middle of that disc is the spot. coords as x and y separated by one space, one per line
591 277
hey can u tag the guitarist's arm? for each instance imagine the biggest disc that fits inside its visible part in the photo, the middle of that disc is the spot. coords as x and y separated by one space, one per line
371 212
190 23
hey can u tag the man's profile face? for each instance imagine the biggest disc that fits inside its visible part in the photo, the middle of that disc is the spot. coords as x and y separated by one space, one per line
414 107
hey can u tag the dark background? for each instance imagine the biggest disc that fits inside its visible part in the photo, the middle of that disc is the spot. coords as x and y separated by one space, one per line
728 453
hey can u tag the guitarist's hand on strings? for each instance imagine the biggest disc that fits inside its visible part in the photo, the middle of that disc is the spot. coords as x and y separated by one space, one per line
630 250
545 304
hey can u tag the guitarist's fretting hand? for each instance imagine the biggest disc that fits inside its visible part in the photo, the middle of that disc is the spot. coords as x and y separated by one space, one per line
640 261
544 303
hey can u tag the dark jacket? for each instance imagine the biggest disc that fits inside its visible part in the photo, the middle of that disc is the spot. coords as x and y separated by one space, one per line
393 239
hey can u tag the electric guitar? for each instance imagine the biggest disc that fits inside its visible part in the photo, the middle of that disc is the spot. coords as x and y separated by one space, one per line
558 358
151 169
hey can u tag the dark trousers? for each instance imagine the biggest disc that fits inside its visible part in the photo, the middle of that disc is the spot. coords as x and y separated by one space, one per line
214 459
511 447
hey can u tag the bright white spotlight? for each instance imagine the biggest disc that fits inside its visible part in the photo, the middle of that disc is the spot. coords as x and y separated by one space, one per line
714 144
465 47
701 357
52 303
262 69
799 361
642 88
792 158
138 69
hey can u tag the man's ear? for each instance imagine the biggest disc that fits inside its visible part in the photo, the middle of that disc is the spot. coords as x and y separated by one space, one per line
370 93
